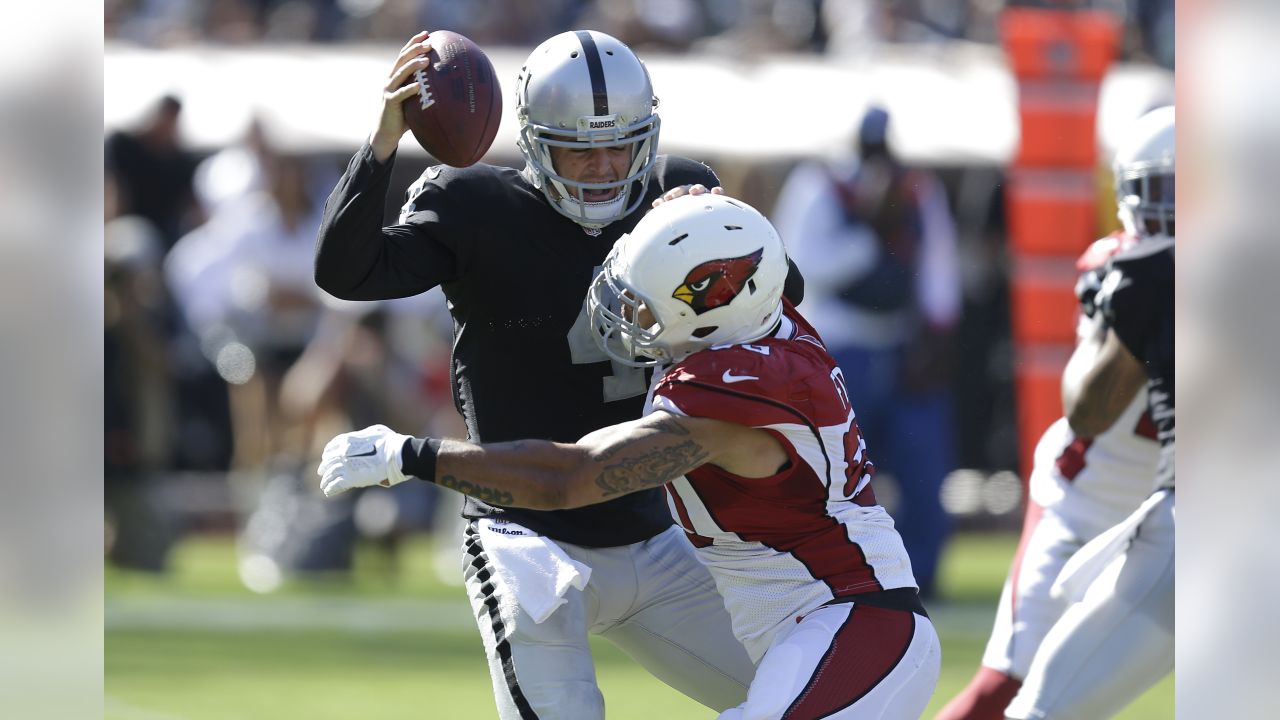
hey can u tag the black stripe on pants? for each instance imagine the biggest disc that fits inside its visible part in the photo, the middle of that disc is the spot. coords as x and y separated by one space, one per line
484 573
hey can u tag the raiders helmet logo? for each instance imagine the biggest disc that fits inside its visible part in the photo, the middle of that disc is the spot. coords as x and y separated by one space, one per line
717 282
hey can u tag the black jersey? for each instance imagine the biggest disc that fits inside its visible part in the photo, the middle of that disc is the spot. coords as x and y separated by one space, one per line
1137 301
515 273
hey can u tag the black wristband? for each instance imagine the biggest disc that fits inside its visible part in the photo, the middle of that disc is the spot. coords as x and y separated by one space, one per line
418 458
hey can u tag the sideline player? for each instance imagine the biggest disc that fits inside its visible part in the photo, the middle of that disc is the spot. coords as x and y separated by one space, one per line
1116 639
513 251
1080 486
769 475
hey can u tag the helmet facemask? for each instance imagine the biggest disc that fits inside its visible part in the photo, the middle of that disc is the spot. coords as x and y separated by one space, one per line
641 137
1144 169
1145 196
586 90
616 312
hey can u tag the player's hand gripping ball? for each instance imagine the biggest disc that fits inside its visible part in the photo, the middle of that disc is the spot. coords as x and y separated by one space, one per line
455 114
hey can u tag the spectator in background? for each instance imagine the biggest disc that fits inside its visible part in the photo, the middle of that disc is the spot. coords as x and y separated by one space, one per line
151 173
243 282
877 244
657 24
1154 20
234 172
855 27
763 26
139 400
244 275
393 361
148 183
498 22
295 363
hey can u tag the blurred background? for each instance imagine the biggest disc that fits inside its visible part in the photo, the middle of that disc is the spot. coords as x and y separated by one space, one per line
968 142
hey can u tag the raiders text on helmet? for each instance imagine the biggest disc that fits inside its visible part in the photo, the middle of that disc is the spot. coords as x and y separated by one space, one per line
585 89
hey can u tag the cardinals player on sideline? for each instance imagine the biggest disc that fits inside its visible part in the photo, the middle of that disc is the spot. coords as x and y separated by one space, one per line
1116 639
1080 486
1086 483
750 430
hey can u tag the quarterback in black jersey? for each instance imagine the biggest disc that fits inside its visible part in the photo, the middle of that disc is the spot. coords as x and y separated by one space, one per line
1115 640
514 251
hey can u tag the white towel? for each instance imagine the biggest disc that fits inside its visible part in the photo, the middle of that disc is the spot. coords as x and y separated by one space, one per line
536 571
1089 561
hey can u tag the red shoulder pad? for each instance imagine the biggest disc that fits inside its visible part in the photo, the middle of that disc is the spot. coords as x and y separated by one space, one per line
756 384
1102 250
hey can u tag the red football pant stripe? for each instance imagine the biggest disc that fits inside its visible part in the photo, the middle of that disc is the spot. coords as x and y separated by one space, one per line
868 646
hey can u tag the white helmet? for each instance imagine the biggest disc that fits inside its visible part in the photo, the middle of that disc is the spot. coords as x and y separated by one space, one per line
1144 175
710 270
585 89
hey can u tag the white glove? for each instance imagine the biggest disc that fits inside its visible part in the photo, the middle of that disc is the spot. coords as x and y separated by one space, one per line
362 458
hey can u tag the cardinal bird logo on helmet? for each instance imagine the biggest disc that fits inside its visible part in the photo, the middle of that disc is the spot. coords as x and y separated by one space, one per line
716 282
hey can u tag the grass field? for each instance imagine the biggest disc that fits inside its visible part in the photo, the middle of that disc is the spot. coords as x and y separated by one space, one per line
196 646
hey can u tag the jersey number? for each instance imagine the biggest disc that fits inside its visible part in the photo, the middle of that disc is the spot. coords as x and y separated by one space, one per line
852 439
623 382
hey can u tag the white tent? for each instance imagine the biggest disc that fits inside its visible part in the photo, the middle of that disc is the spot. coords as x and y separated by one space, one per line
952 104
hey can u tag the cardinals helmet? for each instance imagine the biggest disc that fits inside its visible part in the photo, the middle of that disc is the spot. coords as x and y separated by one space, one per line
697 271
585 89
1144 175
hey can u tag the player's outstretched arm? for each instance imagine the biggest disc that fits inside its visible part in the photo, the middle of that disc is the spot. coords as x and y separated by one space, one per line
1101 379
544 475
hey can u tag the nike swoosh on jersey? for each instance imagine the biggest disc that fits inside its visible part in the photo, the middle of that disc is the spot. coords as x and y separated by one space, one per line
729 377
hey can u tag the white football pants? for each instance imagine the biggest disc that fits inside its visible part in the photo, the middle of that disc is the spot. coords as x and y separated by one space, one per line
1115 643
1027 610
655 600
846 661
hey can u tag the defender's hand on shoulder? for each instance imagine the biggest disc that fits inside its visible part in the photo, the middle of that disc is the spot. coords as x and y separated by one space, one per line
391 126
362 458
697 189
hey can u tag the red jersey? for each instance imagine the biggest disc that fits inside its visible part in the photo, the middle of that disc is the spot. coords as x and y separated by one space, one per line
782 545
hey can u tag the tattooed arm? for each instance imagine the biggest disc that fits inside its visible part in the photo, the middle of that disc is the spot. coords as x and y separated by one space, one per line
1099 382
608 463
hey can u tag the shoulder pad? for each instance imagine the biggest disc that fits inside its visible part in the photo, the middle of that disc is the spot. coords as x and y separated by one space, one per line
1102 250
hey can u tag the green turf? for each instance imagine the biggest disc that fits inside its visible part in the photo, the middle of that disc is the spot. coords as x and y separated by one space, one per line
172 654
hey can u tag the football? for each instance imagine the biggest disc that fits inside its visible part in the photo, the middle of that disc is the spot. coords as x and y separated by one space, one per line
456 112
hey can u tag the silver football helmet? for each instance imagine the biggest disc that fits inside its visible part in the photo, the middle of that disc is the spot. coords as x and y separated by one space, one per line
1144 175
697 271
585 89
